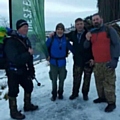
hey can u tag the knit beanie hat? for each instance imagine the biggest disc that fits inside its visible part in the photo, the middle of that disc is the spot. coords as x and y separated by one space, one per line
20 23
60 25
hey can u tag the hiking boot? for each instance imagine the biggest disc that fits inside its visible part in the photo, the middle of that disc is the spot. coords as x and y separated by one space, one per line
60 94
60 97
17 115
53 98
85 97
14 113
110 107
99 100
72 97
28 106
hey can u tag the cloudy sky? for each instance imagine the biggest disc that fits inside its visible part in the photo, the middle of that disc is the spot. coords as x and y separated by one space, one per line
65 11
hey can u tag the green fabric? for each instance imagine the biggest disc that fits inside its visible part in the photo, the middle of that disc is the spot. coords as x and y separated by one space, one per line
57 73
2 29
2 34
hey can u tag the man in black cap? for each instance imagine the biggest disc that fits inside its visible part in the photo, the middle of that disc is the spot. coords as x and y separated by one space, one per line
19 69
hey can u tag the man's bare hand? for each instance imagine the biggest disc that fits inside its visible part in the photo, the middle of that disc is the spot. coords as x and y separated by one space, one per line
48 58
92 62
51 34
88 36
30 50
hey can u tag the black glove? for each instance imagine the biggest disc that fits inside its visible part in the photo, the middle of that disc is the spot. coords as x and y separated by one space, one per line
31 77
31 74
112 64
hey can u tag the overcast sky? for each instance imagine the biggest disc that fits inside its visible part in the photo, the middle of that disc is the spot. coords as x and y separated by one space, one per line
65 11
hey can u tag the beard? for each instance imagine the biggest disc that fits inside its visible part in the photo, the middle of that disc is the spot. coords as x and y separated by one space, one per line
97 25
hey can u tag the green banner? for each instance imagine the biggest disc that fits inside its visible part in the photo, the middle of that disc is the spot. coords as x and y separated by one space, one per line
33 12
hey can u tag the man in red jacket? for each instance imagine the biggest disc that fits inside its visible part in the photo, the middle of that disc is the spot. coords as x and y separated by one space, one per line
106 53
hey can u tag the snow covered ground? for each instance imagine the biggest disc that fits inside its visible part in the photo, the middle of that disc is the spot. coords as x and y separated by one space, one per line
63 109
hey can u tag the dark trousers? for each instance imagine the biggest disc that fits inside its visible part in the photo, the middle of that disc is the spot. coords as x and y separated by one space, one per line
57 73
77 75
14 80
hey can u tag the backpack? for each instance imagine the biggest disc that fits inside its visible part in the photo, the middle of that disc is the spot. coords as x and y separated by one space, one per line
107 29
3 34
108 33
49 48
116 27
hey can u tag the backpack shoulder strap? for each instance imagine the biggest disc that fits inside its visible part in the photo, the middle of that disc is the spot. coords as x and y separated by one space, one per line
49 48
67 50
52 39
21 42
107 29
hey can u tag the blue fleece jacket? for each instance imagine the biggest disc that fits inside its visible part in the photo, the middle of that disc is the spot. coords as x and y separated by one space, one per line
58 50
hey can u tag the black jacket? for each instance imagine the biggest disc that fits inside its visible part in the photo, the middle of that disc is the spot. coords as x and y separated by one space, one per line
81 55
17 55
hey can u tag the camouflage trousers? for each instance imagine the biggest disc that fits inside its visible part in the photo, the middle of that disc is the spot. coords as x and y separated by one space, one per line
105 82
57 73
77 76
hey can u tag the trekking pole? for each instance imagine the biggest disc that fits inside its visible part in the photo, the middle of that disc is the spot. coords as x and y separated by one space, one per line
38 83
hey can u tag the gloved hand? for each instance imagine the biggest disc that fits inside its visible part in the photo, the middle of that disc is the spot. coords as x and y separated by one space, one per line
112 64
31 77
31 74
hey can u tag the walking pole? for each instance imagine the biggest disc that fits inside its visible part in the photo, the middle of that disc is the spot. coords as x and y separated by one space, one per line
38 83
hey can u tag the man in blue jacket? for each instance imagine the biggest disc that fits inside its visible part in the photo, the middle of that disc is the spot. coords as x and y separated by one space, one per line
57 48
